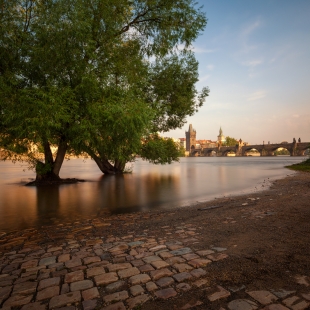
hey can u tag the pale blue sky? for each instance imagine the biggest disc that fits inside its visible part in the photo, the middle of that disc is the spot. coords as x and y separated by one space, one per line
255 57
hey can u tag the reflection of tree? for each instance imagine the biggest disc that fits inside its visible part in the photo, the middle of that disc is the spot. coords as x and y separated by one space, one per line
128 193
47 201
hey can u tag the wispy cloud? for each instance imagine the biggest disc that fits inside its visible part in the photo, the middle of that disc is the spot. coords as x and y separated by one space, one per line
250 28
245 37
256 95
210 67
252 63
204 78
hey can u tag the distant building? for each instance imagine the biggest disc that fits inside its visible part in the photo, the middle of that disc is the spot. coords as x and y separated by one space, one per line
190 138
206 143
221 138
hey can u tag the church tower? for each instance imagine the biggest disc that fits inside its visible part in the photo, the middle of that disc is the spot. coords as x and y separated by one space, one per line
221 138
190 138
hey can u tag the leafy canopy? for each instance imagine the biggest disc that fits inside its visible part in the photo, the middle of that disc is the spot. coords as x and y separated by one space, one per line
96 76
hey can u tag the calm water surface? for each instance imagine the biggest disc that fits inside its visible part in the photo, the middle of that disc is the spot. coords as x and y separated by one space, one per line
149 187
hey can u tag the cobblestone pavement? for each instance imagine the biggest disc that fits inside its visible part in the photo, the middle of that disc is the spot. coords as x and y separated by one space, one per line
84 266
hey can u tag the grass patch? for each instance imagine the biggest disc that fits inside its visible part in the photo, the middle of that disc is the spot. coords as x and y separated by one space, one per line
303 166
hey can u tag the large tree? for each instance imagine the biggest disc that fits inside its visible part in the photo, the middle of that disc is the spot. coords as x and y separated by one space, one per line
95 76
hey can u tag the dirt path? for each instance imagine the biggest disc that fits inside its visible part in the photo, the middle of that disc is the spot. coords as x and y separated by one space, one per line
245 252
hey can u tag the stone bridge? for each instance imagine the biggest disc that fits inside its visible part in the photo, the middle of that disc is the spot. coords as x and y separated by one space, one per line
294 148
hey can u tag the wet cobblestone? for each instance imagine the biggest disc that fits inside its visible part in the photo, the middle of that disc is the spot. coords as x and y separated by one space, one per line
76 268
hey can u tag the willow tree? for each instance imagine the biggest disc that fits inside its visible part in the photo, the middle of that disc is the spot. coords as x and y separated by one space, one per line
95 76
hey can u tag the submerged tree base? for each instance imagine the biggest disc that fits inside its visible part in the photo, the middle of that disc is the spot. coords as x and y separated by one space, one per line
58 181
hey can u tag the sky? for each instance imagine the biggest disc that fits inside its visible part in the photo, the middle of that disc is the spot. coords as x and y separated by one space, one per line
254 55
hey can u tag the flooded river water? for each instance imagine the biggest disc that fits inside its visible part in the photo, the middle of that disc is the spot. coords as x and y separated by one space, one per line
148 187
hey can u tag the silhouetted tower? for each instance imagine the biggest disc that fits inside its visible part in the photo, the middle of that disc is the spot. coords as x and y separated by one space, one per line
190 138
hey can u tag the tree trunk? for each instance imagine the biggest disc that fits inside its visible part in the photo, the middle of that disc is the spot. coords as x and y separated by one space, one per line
119 166
105 166
61 153
49 170
44 173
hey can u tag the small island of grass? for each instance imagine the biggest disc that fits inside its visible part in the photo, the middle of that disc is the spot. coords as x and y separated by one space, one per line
303 166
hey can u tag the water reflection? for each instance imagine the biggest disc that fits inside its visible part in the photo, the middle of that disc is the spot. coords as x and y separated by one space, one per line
123 193
48 200
148 187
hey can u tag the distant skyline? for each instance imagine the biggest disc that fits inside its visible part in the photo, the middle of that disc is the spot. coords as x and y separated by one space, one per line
255 58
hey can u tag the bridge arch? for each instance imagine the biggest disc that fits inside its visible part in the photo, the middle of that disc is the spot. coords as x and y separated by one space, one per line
226 152
282 151
246 151
209 152
304 152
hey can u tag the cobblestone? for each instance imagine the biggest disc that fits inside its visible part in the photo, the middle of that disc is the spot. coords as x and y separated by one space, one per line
126 273
138 279
81 285
263 297
63 300
48 282
95 271
119 296
164 282
48 292
105 279
136 290
24 288
89 304
82 272
17 300
157 274
90 293
183 276
116 286
136 301
117 267
222 293
74 276
151 286
166 293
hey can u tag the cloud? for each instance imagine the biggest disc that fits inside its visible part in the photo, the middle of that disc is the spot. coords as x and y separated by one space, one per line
253 63
296 115
204 78
210 67
256 95
246 44
249 29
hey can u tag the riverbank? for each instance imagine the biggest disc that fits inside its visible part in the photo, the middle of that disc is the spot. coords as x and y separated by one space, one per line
243 252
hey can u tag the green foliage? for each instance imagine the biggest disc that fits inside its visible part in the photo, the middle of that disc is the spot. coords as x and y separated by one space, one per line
229 141
172 91
158 150
96 76
303 166
182 151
